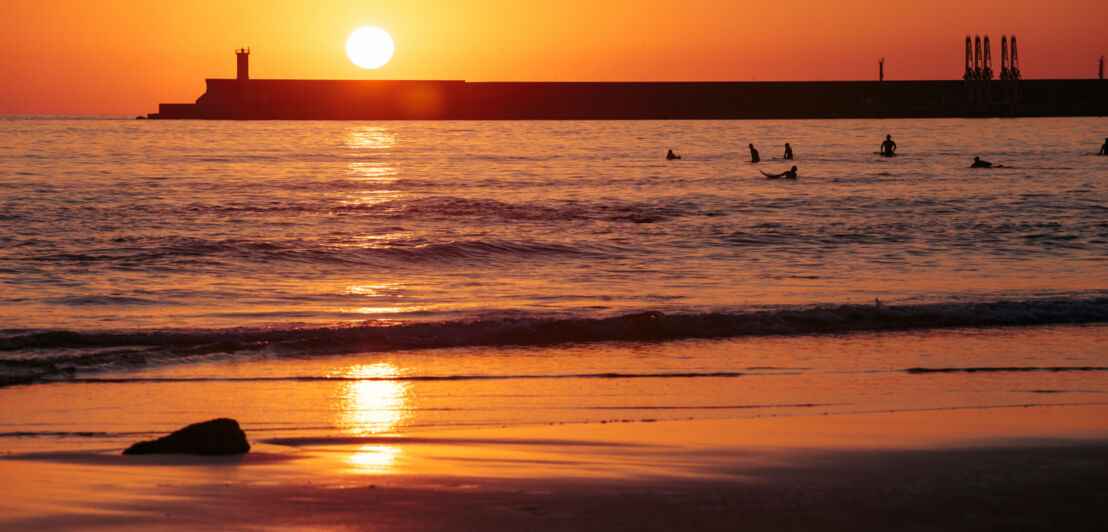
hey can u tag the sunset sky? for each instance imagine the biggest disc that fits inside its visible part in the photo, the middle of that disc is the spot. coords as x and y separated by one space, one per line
75 56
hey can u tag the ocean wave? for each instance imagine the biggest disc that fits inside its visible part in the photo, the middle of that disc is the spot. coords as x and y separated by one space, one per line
67 434
172 250
1006 369
348 202
28 356
416 378
95 300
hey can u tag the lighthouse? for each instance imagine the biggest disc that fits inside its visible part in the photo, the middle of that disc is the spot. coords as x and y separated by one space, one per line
243 57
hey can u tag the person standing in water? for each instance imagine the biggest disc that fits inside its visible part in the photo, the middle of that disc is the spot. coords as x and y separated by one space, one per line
754 154
1104 148
788 152
888 148
671 156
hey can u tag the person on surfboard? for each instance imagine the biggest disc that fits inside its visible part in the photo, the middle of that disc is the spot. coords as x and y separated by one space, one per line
888 148
788 152
1104 148
671 156
787 174
754 154
978 163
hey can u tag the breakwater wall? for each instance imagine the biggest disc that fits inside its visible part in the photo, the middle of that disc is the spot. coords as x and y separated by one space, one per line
276 99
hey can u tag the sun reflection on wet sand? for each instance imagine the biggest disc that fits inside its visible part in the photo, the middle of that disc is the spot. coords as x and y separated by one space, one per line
367 407
375 404
373 459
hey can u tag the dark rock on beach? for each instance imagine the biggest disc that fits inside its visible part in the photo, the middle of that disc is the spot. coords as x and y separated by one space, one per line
216 437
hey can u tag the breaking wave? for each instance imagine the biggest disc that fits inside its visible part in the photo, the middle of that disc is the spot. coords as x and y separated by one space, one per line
29 356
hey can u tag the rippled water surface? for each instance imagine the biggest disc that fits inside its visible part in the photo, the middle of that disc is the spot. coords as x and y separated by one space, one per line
123 224
349 278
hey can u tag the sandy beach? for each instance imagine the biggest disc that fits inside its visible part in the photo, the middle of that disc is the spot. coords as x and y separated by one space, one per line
1036 468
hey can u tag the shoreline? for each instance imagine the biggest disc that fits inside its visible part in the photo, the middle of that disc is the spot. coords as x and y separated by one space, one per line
1029 468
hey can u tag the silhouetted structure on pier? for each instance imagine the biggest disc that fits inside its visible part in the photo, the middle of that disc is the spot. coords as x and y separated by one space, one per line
244 98
1009 70
242 64
982 100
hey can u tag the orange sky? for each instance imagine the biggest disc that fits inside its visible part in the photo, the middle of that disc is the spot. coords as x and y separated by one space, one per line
123 56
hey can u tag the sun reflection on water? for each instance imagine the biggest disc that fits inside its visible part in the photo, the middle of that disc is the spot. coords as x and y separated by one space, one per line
369 144
380 310
369 138
387 299
373 169
379 289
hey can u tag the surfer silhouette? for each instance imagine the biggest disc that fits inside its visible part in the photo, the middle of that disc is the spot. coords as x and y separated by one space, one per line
754 154
788 152
978 163
888 148
671 156
787 174
1104 148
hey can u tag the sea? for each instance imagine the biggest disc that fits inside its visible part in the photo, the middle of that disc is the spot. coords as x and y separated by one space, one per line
350 278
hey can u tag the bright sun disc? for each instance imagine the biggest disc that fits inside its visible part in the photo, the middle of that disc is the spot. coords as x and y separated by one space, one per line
369 47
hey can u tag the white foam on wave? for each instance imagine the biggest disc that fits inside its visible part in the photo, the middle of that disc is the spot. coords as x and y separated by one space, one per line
28 356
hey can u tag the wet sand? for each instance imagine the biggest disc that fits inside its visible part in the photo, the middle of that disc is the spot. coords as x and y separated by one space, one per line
1038 468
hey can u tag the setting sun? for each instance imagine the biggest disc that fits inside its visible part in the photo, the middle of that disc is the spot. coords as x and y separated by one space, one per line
369 47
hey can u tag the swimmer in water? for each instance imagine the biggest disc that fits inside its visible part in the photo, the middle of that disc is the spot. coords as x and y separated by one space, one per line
754 154
787 174
888 148
978 163
788 152
671 156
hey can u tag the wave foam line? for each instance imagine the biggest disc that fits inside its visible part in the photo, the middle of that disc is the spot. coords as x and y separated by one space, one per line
32 356
1004 369
408 378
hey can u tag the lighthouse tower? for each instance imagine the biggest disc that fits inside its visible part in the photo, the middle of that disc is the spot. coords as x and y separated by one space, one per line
243 57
